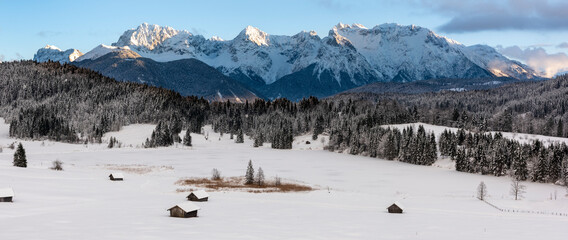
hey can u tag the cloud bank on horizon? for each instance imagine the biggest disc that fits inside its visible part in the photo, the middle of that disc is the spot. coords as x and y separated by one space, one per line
538 59
562 45
469 16
487 15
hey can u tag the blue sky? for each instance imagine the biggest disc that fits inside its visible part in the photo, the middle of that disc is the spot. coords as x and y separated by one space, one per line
520 28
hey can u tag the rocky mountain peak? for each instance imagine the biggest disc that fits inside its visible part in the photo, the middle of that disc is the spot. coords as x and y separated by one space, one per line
255 36
146 36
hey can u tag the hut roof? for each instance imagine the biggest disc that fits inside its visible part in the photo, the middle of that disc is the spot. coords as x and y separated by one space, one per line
200 194
187 206
117 175
6 192
397 204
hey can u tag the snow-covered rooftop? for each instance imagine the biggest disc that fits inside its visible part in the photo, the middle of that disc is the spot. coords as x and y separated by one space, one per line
6 192
117 175
187 206
200 194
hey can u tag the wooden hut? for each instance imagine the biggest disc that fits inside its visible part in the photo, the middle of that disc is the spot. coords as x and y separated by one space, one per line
6 194
198 196
116 177
395 208
184 210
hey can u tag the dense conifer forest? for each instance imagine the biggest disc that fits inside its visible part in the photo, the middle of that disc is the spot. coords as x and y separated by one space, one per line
71 104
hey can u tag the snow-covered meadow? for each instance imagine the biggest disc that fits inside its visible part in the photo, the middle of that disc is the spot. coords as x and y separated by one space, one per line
350 200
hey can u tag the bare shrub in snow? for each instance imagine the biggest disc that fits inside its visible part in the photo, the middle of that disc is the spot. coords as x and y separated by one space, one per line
57 165
277 181
215 174
260 177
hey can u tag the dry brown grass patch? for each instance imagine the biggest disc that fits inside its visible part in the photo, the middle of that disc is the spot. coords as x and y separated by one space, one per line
237 183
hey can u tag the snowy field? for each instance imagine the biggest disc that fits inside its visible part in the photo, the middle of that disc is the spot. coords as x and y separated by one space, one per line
350 202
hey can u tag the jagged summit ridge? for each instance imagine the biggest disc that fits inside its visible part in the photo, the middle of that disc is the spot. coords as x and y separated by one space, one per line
53 53
146 35
349 56
393 52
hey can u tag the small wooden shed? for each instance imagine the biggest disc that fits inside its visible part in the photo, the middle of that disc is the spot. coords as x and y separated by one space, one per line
198 196
395 208
6 194
184 210
116 177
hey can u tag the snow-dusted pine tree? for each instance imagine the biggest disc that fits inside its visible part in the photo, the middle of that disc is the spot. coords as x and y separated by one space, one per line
187 138
20 157
240 138
249 176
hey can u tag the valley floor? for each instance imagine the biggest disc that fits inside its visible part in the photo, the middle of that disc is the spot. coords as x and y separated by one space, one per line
350 200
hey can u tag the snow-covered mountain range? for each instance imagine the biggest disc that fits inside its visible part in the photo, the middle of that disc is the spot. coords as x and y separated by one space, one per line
305 64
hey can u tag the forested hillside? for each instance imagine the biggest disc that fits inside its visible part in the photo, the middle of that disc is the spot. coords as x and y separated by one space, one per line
66 103
527 107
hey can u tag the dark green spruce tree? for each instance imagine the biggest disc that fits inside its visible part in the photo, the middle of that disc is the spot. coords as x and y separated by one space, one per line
249 176
391 150
240 138
318 127
187 138
461 160
20 157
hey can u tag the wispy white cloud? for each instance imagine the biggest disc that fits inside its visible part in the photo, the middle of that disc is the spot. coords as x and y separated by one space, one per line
481 15
2 58
538 59
48 34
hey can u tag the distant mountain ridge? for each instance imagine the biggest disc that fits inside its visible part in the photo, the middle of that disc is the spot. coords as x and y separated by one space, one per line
192 77
304 64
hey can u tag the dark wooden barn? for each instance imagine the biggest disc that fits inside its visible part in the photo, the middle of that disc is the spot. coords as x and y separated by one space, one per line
6 194
184 210
198 196
395 208
116 177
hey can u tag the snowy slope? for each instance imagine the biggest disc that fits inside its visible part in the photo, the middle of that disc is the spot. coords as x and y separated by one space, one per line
488 58
350 203
100 51
55 54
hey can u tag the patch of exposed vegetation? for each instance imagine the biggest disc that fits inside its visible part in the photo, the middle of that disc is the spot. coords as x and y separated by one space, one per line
238 183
